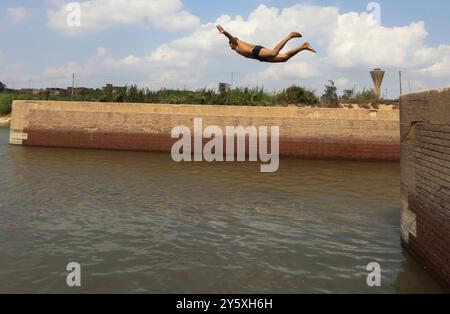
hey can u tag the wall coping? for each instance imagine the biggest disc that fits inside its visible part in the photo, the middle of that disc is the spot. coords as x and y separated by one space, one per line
427 91
205 110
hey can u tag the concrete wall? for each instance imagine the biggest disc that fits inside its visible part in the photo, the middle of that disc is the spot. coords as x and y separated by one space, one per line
425 133
309 133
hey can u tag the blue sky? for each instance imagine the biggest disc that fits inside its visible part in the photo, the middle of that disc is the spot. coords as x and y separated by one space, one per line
37 49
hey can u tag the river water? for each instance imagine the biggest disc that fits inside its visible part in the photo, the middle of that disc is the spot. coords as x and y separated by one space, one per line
140 223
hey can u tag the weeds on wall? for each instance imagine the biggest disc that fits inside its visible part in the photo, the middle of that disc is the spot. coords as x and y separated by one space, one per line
294 95
234 97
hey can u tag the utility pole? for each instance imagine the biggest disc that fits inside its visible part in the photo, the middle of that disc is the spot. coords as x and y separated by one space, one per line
73 84
400 78
232 79
409 85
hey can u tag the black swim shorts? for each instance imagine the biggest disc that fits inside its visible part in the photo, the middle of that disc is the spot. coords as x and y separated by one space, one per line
255 53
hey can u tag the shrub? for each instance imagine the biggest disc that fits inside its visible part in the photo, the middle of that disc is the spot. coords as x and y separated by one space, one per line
347 95
298 95
330 96
6 100
237 96
5 104
366 96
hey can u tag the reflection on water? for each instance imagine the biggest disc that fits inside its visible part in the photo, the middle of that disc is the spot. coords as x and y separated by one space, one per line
138 222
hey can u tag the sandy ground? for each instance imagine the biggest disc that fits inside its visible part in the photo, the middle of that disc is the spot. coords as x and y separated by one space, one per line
5 120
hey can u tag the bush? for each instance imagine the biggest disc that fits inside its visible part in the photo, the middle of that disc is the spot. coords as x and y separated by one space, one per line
366 96
348 95
5 104
6 100
235 97
330 96
298 95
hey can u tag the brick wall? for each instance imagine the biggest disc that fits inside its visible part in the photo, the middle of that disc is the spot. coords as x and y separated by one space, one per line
309 133
425 158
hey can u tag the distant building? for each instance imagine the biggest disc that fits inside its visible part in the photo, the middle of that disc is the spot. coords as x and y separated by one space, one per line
57 91
45 94
31 91
79 91
109 88
224 87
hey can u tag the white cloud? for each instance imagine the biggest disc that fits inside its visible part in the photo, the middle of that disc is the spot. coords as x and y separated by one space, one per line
17 14
102 68
441 66
102 52
98 15
66 71
343 83
351 40
356 42
296 70
203 45
349 45
268 25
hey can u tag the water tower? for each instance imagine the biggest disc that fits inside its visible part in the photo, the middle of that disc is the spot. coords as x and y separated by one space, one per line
377 77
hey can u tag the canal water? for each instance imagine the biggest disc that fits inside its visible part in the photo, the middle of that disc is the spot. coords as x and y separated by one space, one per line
140 223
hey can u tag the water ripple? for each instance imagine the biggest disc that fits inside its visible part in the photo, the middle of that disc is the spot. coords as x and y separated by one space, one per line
141 223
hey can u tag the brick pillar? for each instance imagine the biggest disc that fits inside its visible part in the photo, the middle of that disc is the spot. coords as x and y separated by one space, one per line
425 163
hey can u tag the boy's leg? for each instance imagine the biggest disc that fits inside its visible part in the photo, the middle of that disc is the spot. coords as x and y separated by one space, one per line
283 43
267 53
279 58
305 46
288 55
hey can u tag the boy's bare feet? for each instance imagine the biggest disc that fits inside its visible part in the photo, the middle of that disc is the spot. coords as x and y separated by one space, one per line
308 47
296 35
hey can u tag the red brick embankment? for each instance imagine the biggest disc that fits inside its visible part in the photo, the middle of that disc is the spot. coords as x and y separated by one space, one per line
304 132
425 132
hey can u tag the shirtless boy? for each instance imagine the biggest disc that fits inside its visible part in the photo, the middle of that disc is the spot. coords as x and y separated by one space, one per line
263 54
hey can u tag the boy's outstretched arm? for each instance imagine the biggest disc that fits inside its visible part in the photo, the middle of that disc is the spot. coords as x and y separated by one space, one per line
228 35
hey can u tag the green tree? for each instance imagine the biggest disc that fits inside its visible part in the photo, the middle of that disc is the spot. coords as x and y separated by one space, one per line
348 95
2 87
330 96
